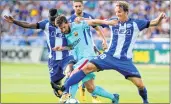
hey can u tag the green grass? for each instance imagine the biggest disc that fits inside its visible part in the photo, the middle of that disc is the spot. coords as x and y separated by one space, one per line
29 83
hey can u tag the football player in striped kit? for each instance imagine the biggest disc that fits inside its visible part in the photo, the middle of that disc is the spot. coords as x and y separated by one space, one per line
58 60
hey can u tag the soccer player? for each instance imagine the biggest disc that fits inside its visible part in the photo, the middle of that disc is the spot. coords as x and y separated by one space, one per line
57 59
79 38
119 54
78 9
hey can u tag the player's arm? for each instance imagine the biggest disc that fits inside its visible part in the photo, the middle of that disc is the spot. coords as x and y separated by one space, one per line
101 34
24 24
157 20
93 22
62 48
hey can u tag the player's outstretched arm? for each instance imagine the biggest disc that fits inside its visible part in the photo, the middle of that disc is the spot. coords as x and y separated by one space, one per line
24 24
156 21
93 22
61 48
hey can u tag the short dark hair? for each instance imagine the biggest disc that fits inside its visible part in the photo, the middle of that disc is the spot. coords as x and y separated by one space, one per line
60 20
53 13
81 1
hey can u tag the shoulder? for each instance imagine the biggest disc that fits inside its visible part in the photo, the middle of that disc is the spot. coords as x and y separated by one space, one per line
44 21
87 15
71 19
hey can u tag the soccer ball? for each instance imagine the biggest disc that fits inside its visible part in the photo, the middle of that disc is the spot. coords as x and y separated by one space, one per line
72 101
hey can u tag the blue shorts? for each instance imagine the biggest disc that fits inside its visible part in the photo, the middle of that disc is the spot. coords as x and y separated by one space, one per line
80 64
108 62
57 67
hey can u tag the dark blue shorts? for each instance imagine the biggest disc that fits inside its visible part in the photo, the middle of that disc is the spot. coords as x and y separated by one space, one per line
108 62
57 67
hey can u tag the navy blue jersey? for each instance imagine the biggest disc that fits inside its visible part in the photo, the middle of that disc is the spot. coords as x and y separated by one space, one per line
54 37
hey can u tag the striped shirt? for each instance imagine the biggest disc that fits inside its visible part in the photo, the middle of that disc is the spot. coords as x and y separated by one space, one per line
123 37
54 37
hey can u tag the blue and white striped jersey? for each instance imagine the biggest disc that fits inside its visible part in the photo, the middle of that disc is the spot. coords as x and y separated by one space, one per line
123 37
54 37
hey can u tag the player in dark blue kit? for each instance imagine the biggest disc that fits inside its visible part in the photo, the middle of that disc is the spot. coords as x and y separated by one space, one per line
57 59
78 12
119 54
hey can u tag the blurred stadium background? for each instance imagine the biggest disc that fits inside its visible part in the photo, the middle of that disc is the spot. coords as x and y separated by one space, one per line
24 71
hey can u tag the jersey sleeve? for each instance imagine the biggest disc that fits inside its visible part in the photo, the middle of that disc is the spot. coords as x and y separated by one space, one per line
42 24
142 24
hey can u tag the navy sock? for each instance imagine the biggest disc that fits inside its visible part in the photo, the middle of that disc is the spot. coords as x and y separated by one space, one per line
74 79
143 94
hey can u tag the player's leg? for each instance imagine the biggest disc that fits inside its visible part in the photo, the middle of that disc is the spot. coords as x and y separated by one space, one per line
82 92
100 62
91 88
56 76
88 81
55 85
131 73
141 88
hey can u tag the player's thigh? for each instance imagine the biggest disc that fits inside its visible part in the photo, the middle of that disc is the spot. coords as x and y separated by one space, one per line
56 73
104 62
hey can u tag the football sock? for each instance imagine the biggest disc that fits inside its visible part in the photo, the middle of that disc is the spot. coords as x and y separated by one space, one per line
143 94
74 79
73 89
101 92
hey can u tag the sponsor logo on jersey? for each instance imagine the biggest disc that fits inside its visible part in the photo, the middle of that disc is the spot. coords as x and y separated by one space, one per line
129 25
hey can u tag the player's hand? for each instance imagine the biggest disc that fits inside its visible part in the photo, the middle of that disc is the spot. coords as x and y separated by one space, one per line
104 44
57 48
9 19
162 15
114 22
78 19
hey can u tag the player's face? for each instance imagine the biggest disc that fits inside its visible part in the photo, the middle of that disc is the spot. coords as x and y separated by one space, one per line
78 7
65 28
120 13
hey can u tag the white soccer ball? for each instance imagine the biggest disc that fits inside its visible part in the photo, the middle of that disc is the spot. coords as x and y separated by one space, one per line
72 101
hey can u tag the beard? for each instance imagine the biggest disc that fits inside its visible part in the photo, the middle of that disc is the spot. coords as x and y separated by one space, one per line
69 30
79 12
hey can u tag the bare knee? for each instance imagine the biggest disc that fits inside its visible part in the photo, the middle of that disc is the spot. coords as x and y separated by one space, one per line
138 82
90 86
90 89
89 68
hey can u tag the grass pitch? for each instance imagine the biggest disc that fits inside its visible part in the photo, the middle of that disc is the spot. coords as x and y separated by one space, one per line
30 83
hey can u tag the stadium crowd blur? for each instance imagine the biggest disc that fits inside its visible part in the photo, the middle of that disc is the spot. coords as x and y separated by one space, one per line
34 11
